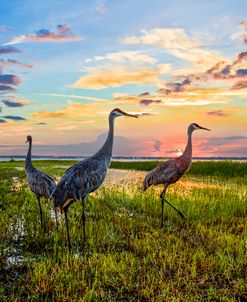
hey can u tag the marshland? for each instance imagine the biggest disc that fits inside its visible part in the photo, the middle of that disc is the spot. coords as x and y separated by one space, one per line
127 256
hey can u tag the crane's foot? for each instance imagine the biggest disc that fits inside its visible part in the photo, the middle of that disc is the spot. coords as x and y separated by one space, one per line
165 218
162 221
182 216
84 238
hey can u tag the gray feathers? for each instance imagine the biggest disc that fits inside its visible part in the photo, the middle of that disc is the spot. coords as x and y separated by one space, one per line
81 179
168 172
40 183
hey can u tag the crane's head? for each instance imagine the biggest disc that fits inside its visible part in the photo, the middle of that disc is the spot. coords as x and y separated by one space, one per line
195 126
29 139
118 112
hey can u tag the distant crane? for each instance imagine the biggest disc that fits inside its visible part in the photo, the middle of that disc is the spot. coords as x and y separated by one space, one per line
171 171
86 176
40 183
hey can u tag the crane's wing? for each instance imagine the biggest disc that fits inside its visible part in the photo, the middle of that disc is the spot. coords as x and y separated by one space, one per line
51 184
48 177
161 174
83 178
73 167
71 170
41 184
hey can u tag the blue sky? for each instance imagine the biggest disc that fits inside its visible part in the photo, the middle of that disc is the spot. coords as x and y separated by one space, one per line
92 56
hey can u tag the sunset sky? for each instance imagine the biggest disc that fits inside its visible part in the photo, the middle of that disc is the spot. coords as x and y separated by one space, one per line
64 65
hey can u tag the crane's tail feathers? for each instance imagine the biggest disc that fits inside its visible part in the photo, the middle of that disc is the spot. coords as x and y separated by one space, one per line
146 182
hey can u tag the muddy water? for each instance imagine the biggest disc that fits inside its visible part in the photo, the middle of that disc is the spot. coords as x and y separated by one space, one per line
15 260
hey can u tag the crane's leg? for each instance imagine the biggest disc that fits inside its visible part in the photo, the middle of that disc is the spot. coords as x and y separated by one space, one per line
55 210
67 226
162 213
162 204
162 196
40 211
65 209
179 213
83 199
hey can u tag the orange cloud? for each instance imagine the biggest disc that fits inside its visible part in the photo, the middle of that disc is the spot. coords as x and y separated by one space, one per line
73 110
118 76
76 110
196 97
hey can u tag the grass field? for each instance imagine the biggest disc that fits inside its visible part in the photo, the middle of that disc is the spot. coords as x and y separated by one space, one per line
128 257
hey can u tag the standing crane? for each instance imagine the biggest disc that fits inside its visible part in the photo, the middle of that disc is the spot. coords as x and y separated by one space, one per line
86 176
171 171
40 183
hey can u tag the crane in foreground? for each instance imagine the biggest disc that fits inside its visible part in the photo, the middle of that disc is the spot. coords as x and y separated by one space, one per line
86 176
171 171
40 183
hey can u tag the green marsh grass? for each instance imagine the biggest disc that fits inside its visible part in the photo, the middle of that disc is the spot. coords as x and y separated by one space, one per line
128 257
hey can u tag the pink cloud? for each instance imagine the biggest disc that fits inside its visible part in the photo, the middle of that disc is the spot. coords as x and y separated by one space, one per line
147 102
61 34
8 49
241 57
101 9
239 85
243 25
4 28
219 113
12 62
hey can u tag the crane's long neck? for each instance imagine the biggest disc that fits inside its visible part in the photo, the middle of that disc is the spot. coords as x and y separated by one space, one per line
188 150
29 156
106 149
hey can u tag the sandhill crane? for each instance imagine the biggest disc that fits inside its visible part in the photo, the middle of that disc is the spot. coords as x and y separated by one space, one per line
40 183
86 176
171 171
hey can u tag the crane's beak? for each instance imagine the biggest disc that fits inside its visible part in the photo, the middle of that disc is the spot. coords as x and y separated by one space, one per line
26 141
203 128
131 115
